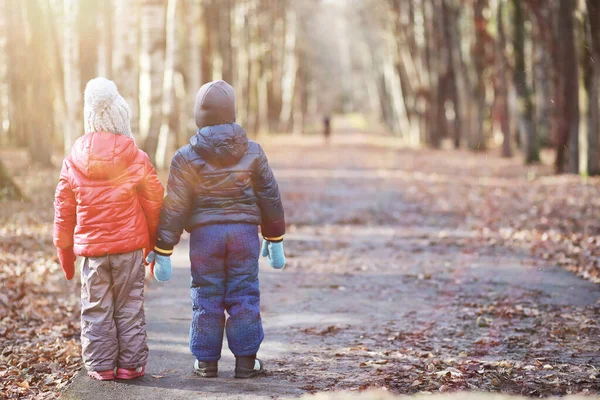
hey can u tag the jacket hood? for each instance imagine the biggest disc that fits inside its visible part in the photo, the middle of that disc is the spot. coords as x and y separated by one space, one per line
221 144
215 104
103 155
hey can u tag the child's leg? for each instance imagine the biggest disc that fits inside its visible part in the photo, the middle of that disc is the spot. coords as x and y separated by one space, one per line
98 332
207 256
128 272
242 298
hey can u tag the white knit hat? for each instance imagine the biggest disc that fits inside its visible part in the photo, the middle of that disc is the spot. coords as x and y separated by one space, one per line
104 110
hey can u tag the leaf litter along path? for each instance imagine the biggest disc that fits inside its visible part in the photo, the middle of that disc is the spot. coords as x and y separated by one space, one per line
411 270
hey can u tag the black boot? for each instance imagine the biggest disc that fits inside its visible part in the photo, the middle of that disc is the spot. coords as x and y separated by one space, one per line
206 369
248 367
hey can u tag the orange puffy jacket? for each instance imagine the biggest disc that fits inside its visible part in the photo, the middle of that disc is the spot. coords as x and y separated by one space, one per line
108 198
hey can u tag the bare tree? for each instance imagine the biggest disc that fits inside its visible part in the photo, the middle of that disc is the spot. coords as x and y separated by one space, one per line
569 91
541 12
453 62
502 80
88 32
4 60
8 188
527 128
480 61
73 123
152 61
125 55
592 85
168 94
290 66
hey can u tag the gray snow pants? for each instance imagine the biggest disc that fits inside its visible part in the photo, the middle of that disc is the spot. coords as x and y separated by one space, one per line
113 325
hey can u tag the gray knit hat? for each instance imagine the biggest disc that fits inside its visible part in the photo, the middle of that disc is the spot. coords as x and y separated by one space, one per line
104 110
215 104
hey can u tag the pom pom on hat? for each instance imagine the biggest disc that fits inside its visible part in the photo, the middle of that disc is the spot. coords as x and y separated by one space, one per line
100 93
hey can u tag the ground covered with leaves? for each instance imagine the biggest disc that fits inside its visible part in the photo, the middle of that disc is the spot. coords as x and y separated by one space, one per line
39 328
411 271
447 271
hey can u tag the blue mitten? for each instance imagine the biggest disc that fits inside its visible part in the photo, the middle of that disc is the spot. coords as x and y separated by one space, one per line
162 268
274 252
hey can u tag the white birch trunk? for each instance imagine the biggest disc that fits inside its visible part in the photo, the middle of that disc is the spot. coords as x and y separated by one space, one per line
4 88
290 67
104 42
151 73
263 105
168 94
73 121
393 82
240 45
125 56
194 23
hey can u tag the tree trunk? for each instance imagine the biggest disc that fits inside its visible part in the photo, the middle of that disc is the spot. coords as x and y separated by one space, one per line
275 57
168 95
16 72
479 58
88 38
262 70
104 44
8 188
463 82
542 69
453 78
429 120
209 16
73 123
290 66
593 86
224 40
400 120
4 86
125 65
40 124
152 59
527 128
569 133
195 34
502 83
437 75
241 50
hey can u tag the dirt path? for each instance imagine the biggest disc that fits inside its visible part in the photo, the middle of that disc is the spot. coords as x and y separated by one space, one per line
386 288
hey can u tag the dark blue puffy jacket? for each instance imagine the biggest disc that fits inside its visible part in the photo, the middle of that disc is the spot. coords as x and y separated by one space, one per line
220 177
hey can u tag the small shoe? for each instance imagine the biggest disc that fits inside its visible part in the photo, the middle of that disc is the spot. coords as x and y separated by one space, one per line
130 373
108 375
248 367
206 369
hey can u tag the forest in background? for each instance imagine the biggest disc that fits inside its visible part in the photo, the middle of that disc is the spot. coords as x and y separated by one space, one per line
516 74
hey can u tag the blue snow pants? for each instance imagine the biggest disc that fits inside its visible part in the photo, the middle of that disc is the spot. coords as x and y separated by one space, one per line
224 260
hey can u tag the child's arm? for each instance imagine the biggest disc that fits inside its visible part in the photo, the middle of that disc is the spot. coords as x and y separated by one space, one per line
151 193
269 200
176 207
65 210
271 209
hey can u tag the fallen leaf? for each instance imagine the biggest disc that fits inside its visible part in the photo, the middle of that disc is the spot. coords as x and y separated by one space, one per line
23 384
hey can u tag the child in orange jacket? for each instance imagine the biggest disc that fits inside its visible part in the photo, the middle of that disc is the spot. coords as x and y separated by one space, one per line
107 206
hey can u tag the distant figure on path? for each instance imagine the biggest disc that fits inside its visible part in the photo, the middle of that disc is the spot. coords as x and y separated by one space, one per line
327 128
220 189
106 210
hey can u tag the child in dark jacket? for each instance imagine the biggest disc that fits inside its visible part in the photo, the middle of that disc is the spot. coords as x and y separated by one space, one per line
220 189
